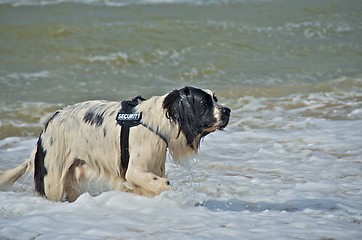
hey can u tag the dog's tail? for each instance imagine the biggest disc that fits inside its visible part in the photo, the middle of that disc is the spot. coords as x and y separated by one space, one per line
9 177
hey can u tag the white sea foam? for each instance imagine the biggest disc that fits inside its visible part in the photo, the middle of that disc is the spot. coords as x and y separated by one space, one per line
120 56
24 76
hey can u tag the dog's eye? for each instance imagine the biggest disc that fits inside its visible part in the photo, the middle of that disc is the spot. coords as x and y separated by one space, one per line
214 97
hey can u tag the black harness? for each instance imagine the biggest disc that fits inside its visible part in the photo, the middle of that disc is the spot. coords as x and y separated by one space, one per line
128 118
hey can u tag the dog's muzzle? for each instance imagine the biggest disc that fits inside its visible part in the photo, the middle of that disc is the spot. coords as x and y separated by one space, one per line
224 118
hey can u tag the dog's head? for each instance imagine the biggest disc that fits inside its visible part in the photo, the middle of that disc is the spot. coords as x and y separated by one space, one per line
196 112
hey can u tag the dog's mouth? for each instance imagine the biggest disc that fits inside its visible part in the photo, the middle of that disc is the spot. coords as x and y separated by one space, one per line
223 124
220 123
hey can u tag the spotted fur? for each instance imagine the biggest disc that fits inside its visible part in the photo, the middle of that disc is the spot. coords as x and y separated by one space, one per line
79 149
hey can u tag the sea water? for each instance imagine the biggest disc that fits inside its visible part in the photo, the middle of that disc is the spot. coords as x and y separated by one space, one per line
288 166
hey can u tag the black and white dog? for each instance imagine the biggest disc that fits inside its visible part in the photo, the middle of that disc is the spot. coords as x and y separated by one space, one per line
120 145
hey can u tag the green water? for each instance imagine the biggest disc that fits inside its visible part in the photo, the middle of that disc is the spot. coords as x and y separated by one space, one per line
57 54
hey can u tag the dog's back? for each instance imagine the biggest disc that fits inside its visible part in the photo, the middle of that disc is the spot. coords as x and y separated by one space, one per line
77 133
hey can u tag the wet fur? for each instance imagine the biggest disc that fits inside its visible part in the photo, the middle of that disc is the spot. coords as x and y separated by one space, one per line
79 147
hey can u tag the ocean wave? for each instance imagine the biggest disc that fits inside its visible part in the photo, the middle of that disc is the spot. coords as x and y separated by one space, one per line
308 29
295 111
154 57
316 29
24 118
119 57
115 3
27 76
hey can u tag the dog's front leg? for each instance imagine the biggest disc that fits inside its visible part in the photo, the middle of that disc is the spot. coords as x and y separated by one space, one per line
146 167
146 183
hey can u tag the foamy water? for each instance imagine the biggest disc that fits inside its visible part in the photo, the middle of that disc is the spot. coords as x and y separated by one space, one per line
289 164
274 173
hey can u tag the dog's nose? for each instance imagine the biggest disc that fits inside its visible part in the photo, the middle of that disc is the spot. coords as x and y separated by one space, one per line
226 110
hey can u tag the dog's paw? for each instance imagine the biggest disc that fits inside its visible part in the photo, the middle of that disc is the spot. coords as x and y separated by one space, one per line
160 184
157 186
128 187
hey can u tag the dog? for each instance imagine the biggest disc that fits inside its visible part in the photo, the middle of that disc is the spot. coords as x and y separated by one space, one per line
119 145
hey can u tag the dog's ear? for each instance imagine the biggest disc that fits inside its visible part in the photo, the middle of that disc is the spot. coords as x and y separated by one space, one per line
180 108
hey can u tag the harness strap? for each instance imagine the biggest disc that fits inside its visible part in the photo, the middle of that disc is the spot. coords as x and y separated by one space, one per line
127 118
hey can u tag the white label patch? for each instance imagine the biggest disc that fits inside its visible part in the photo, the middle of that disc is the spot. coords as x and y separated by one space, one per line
128 117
